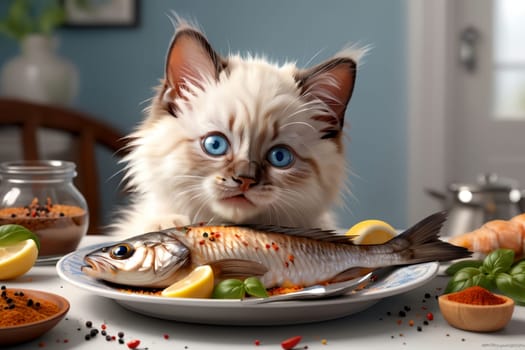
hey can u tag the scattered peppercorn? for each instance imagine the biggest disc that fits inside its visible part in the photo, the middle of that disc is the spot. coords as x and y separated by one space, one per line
133 344
89 324
402 313
419 329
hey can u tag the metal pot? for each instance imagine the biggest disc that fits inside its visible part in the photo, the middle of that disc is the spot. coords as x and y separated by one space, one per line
471 205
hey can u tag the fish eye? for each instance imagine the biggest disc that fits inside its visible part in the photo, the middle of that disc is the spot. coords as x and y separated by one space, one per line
122 251
280 157
215 144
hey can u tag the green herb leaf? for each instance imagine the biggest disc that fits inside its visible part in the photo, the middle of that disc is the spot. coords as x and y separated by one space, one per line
518 273
229 289
452 269
12 234
498 261
510 287
467 277
254 287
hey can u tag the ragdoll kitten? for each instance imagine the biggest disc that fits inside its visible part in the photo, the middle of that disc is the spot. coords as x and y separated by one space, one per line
238 140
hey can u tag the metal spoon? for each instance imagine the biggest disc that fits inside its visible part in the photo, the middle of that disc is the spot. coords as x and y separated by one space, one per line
315 292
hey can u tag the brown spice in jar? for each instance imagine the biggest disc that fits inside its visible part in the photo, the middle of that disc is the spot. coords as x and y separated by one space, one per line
59 227
17 308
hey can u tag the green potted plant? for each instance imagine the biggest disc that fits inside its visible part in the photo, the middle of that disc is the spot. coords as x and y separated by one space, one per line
38 73
24 19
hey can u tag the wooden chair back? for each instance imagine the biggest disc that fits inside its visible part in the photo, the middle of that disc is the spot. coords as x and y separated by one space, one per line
86 133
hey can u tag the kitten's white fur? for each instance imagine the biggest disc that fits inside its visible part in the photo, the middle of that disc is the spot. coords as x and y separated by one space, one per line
256 105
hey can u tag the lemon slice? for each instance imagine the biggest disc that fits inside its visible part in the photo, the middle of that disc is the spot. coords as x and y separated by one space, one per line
198 284
371 232
18 258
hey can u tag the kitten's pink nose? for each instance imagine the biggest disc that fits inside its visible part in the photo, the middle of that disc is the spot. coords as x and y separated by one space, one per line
244 182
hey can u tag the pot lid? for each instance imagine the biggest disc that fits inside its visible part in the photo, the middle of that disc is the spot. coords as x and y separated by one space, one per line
488 182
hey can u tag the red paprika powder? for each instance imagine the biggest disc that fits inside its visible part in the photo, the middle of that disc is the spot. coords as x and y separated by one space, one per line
476 296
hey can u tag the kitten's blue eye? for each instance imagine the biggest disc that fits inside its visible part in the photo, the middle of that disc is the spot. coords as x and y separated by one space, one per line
215 145
280 157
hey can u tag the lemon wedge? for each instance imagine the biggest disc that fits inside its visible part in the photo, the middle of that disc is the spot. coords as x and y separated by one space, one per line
371 232
198 284
18 258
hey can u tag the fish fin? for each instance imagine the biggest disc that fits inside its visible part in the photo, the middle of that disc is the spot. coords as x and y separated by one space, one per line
351 273
238 268
421 242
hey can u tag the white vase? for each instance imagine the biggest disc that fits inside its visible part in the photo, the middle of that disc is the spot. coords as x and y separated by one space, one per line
38 74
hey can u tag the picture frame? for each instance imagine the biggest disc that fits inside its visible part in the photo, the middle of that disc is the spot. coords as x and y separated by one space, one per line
101 13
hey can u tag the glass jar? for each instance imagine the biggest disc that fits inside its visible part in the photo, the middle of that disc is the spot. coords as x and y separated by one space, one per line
41 196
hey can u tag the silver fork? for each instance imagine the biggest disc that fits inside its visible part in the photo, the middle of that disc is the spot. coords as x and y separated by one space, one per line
315 292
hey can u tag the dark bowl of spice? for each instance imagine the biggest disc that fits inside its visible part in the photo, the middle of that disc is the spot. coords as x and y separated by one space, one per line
26 314
476 309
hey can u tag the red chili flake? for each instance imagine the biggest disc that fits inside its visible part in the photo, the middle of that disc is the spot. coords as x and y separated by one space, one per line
217 234
201 242
113 337
41 344
237 236
291 258
103 326
430 316
290 343
399 322
257 342
245 244
166 336
133 344
268 246
411 323
286 264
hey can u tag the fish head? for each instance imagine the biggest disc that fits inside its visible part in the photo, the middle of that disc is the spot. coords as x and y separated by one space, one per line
151 260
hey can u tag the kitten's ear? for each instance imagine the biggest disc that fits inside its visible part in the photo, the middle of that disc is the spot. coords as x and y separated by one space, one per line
331 82
191 63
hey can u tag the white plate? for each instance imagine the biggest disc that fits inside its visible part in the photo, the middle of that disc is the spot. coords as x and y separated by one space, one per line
235 312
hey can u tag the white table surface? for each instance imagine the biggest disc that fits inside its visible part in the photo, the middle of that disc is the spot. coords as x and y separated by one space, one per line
369 329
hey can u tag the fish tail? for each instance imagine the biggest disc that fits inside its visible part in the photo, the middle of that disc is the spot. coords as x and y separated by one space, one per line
421 242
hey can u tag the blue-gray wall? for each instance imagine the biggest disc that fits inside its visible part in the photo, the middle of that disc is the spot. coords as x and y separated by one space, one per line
119 67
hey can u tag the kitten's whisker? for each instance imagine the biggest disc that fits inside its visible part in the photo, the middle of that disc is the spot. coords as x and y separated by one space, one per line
297 123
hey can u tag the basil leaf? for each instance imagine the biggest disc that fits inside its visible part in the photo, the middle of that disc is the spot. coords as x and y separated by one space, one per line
464 278
254 287
507 284
229 289
452 269
11 234
518 273
498 261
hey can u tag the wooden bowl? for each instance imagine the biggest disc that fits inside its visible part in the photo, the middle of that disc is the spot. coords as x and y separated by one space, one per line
28 331
478 318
